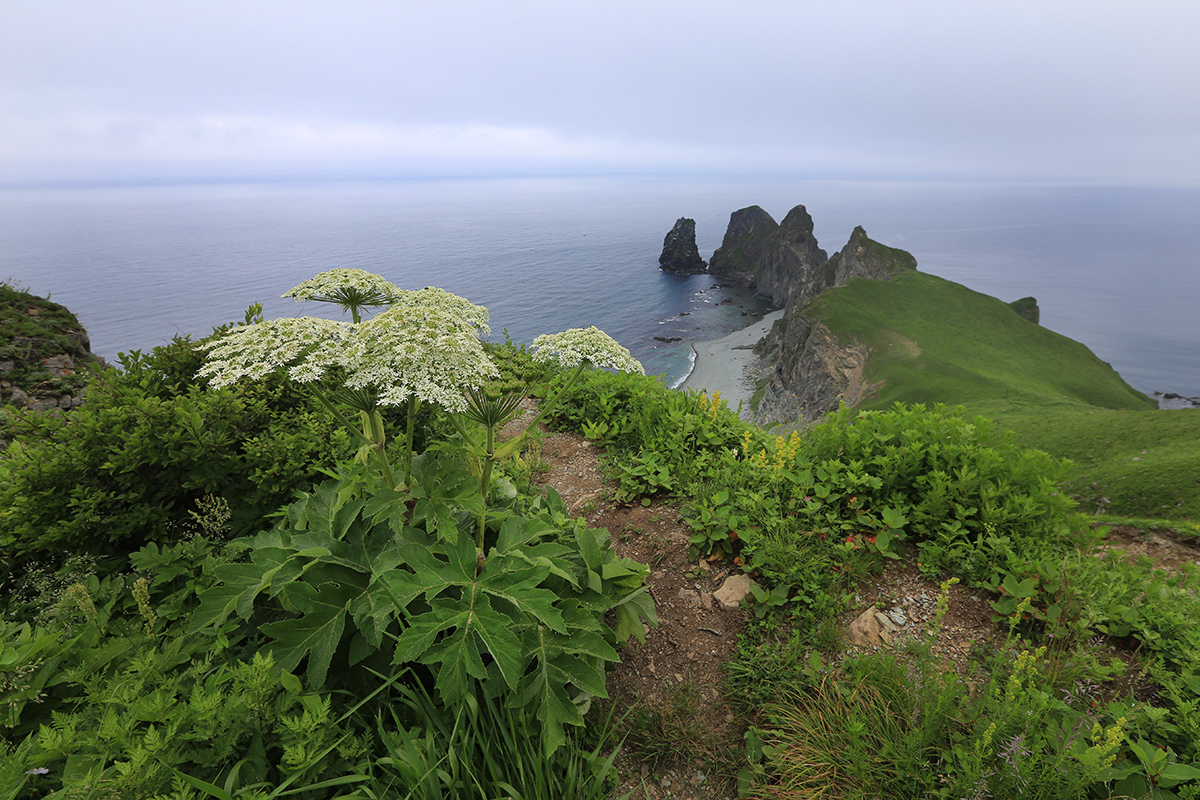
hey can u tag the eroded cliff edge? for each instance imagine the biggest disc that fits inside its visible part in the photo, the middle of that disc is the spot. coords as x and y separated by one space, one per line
809 370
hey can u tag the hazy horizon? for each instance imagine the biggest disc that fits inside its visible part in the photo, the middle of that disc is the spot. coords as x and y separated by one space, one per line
1056 90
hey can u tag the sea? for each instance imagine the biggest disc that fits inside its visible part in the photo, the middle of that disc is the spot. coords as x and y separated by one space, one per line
1114 267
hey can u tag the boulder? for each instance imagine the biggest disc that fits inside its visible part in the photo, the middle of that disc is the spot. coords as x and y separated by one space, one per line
872 628
679 253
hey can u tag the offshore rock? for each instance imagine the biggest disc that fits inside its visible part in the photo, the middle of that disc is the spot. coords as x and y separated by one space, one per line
775 260
680 253
793 268
746 240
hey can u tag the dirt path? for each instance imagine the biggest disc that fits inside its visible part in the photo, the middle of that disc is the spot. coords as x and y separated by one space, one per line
673 684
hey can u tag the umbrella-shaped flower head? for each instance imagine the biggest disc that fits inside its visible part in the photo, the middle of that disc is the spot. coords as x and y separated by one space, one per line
590 345
307 347
429 352
425 346
351 289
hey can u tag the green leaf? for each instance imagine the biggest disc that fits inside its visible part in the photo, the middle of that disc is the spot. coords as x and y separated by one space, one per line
630 611
317 633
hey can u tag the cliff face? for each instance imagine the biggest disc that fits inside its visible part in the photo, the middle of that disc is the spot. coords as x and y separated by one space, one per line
44 352
680 253
811 371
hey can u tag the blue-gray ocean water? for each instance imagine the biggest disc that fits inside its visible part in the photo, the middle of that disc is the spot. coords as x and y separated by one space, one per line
1115 268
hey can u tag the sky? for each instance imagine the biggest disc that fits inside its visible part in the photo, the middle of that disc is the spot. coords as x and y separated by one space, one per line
1087 90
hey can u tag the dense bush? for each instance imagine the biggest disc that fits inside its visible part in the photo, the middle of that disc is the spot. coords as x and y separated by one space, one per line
147 445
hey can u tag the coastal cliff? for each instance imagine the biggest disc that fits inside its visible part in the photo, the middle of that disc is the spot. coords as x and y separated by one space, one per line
810 370
45 353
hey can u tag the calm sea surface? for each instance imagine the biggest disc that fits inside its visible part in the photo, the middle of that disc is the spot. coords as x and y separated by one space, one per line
1115 268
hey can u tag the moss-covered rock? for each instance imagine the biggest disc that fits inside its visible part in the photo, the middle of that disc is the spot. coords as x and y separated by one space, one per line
45 355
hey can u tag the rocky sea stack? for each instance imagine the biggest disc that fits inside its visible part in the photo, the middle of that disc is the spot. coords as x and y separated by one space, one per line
774 259
680 253
45 354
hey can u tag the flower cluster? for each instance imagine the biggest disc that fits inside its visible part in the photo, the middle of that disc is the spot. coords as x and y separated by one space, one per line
306 346
413 350
347 288
439 301
426 345
590 345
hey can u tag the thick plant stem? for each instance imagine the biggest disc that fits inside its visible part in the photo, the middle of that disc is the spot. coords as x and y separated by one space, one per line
365 435
485 479
411 424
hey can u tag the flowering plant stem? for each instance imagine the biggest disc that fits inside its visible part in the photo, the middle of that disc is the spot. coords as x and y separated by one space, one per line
492 414
371 435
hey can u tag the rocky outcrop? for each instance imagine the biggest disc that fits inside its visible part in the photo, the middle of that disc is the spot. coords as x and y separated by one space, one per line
814 372
746 239
45 354
773 259
862 257
1027 307
679 253
792 263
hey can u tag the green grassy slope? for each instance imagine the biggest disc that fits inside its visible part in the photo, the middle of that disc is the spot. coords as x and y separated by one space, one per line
933 340
1129 464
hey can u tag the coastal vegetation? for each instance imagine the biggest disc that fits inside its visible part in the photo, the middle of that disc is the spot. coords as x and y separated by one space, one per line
311 583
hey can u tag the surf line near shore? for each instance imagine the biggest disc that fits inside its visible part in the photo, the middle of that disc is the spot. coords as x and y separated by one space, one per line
720 365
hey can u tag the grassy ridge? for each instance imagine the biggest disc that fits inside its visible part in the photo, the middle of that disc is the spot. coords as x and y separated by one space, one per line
933 340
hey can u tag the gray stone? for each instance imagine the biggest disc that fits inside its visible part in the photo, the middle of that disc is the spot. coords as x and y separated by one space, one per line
59 366
19 398
733 590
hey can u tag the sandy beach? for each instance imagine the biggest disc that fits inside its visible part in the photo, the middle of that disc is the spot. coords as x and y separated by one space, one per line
720 364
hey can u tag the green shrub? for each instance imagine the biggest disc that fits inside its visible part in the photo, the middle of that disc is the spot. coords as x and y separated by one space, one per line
149 442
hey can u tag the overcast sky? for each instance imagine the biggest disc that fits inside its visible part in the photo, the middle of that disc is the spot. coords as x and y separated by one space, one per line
1087 89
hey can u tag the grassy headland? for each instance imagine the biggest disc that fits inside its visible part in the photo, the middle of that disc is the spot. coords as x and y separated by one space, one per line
935 341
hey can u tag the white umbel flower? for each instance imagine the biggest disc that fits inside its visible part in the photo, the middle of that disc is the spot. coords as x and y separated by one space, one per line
349 288
578 345
425 346
306 346
434 300
413 350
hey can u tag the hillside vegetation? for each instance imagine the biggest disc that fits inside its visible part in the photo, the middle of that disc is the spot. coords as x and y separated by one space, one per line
935 341
295 559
